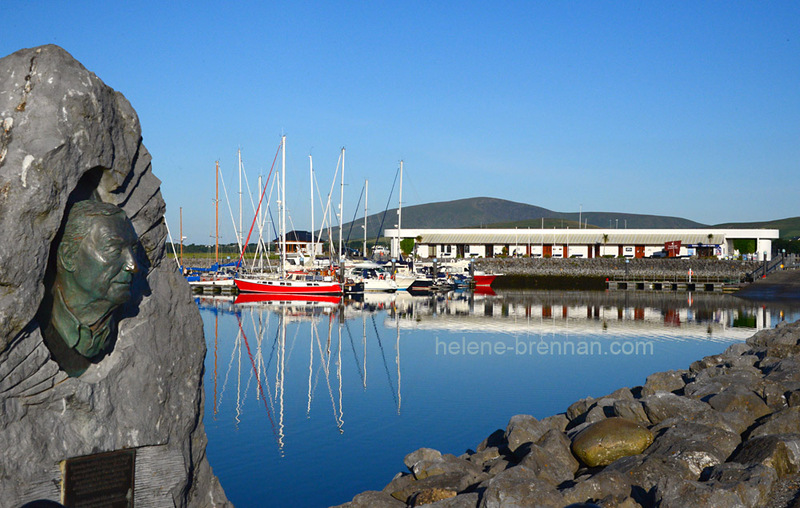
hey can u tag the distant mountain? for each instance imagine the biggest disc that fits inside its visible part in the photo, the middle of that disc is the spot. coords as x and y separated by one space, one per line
483 212
789 227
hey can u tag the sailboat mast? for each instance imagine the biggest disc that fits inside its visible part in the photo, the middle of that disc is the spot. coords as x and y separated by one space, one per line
311 181
341 211
283 203
216 218
366 197
241 232
400 211
181 210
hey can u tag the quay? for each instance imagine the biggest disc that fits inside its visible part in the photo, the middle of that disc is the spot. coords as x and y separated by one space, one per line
645 284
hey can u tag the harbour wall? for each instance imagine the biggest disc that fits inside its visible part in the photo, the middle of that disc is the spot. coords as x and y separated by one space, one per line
617 267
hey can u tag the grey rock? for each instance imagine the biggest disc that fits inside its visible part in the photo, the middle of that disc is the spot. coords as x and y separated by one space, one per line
557 422
550 458
598 486
421 454
680 493
518 487
443 464
753 484
714 380
740 398
780 452
697 446
496 466
669 381
373 499
786 373
786 421
631 410
65 124
645 471
774 394
496 439
663 405
487 454
734 422
523 429
455 481
466 500
578 408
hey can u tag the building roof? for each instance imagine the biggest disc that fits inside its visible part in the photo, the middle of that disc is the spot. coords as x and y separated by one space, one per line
580 236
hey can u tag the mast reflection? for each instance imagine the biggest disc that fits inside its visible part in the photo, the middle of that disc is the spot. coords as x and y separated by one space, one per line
269 331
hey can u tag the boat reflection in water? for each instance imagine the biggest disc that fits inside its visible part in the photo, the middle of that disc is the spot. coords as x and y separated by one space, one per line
660 316
324 397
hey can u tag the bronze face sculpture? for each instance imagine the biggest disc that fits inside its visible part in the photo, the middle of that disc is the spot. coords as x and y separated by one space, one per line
95 266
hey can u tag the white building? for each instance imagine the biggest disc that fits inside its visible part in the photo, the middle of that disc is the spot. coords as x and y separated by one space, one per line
583 243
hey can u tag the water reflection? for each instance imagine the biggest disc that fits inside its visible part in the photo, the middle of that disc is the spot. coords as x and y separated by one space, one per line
289 382
661 316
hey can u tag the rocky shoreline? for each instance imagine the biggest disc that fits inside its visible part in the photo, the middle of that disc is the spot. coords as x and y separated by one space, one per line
610 267
723 432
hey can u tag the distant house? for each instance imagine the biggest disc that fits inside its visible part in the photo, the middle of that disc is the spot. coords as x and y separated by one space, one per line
300 242
582 243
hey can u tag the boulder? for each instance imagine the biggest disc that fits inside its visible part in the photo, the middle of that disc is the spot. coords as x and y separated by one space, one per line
680 493
67 136
663 405
465 500
523 429
432 495
742 399
428 454
373 499
753 484
443 464
697 446
518 486
608 440
601 485
631 410
780 452
669 381
645 471
786 421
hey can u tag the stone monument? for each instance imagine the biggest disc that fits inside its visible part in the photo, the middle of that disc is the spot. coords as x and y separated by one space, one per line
101 345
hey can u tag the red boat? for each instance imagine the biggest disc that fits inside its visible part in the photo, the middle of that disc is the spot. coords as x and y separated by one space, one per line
277 298
288 286
484 279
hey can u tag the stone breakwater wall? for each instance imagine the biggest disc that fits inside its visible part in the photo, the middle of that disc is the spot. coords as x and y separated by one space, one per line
723 432
609 267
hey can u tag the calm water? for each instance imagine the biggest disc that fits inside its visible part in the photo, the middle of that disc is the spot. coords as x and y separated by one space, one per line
310 404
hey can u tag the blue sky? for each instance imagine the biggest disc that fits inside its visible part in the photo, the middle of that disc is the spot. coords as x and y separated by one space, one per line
683 109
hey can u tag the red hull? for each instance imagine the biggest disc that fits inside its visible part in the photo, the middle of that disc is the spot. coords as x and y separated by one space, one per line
262 297
288 287
484 280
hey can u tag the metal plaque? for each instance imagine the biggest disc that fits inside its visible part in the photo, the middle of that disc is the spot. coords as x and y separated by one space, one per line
101 480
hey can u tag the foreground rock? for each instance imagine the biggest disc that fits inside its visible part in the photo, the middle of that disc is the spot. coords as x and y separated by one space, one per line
724 432
67 136
610 439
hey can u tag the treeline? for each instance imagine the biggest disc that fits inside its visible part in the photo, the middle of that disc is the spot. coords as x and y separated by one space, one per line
789 246
232 248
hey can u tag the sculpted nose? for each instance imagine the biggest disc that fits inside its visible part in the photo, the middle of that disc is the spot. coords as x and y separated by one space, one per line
130 262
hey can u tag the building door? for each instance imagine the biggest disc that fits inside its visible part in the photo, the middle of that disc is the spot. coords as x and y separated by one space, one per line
640 251
547 251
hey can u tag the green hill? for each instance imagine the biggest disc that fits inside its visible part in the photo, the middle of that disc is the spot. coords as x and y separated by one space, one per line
484 212
789 228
